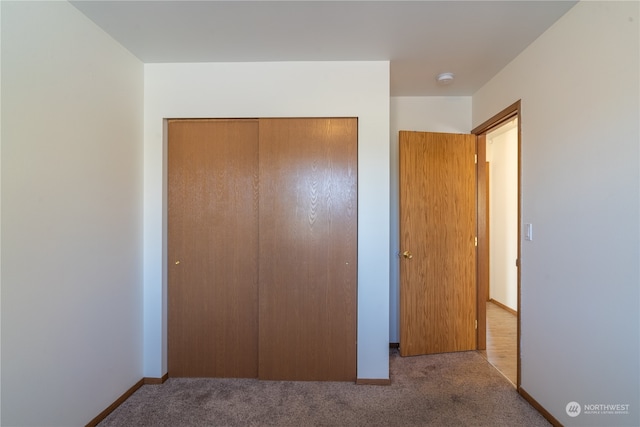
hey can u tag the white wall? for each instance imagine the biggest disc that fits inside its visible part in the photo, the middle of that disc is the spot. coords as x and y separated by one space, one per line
283 89
580 299
72 129
421 113
502 155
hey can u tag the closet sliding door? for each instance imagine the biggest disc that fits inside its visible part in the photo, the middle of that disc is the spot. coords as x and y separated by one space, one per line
262 236
308 249
213 248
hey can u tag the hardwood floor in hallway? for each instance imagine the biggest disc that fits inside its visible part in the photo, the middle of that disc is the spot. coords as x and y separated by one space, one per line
502 336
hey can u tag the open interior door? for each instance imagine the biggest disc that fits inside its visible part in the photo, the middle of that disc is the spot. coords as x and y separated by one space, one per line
437 243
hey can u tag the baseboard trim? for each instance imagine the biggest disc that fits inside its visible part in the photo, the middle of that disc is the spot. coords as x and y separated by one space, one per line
94 422
538 407
504 307
146 380
151 380
373 381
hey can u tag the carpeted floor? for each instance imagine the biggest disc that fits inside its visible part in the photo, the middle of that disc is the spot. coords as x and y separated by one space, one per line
455 389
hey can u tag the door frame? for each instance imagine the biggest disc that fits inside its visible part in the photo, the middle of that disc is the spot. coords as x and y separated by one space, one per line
482 282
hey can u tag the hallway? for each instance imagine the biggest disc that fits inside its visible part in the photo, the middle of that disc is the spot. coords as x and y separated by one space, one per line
502 335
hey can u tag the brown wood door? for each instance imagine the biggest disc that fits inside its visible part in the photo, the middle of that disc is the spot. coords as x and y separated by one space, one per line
213 248
308 253
437 243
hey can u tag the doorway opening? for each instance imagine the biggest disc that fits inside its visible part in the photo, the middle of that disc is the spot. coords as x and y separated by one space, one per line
502 194
499 201
416 301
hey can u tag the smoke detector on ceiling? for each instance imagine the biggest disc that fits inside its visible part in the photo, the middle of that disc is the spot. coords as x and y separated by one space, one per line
444 79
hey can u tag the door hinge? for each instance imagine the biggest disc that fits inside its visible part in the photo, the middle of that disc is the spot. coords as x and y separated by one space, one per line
476 241
476 323
475 158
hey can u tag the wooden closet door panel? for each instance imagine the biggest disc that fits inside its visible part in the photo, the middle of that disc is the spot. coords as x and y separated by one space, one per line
308 249
212 248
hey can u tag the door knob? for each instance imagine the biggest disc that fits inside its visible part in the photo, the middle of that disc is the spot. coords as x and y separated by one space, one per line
407 254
